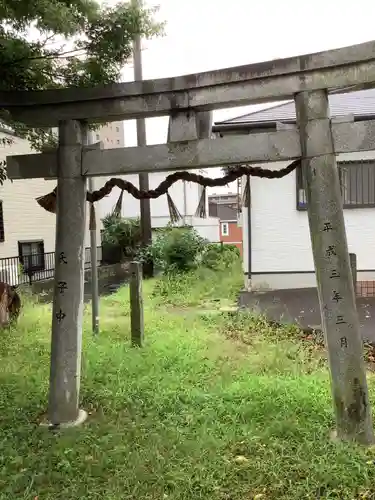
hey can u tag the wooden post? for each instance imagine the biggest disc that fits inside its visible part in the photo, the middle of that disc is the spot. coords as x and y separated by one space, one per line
136 305
334 278
353 267
69 280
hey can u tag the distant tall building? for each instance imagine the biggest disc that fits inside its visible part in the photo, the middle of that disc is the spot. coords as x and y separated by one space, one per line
112 135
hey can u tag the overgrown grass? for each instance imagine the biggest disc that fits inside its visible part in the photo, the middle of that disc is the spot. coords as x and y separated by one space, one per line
214 407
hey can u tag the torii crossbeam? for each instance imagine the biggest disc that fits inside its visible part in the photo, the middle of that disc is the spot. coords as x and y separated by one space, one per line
188 100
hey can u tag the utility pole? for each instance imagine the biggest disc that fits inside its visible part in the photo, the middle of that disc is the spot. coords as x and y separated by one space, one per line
93 257
146 229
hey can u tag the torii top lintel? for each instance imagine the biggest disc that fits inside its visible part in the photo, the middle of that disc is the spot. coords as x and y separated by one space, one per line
343 69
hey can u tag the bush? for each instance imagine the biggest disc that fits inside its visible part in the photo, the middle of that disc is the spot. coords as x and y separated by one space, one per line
176 249
217 256
121 234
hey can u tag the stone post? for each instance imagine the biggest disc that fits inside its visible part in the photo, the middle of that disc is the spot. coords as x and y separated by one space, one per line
333 273
69 280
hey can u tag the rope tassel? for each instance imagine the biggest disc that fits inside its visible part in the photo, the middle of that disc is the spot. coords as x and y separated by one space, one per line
201 208
174 214
48 201
245 195
118 208
92 223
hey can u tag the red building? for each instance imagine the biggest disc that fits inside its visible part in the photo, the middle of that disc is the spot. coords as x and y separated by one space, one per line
225 207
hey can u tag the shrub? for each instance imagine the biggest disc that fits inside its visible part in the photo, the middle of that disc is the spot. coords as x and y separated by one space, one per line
217 256
176 249
123 234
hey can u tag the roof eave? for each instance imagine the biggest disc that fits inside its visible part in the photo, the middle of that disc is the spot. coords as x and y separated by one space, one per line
226 127
247 126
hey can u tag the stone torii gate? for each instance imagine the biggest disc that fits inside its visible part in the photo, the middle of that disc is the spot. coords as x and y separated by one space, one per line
188 100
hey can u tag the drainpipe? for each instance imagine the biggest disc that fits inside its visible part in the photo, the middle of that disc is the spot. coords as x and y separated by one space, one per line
248 208
185 203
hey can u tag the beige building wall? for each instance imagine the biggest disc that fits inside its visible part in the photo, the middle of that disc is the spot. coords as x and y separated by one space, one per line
24 220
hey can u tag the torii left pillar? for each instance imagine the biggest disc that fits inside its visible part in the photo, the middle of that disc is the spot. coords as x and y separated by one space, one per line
63 409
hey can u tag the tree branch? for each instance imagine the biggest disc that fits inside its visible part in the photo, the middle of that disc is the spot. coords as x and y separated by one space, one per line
56 55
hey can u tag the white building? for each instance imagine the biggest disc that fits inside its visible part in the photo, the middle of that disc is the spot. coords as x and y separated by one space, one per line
185 196
280 248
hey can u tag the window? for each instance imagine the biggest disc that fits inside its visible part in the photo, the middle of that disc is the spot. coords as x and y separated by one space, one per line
358 183
224 229
357 179
117 129
97 137
301 191
2 234
31 255
118 141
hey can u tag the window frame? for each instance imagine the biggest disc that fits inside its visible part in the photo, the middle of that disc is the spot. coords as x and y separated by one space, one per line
302 206
21 256
222 225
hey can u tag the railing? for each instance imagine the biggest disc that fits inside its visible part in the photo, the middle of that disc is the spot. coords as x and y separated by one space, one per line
28 269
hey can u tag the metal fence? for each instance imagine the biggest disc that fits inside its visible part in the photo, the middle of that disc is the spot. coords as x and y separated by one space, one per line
35 267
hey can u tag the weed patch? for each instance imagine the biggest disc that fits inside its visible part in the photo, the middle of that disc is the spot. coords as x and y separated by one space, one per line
214 407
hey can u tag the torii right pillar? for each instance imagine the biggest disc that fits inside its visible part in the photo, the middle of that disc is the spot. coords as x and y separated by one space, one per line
335 285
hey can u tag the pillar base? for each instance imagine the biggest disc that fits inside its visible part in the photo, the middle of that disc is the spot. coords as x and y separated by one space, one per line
335 438
82 417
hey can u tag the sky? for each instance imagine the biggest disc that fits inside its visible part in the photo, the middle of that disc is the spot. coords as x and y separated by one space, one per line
204 35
